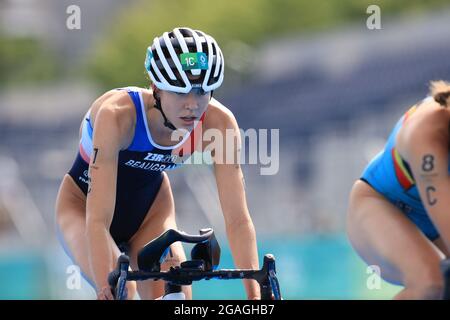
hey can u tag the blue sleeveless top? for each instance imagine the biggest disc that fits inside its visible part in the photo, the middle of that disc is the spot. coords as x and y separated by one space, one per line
392 177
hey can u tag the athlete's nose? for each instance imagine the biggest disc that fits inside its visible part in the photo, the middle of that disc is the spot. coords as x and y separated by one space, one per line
191 102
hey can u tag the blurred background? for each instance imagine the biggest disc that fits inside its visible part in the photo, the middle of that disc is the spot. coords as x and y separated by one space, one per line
312 69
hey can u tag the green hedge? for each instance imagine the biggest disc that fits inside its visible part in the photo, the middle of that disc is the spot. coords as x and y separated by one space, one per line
25 60
117 56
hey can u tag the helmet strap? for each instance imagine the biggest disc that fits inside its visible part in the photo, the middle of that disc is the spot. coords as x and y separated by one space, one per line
157 105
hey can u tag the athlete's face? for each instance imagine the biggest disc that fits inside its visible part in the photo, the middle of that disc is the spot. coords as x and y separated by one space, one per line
184 109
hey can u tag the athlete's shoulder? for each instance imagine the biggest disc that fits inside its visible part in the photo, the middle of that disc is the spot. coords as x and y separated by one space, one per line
118 105
113 100
114 112
219 116
429 124
428 118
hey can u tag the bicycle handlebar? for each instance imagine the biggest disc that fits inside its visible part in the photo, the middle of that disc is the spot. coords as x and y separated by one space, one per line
190 271
205 258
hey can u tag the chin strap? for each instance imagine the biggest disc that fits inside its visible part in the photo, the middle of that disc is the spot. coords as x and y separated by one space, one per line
157 105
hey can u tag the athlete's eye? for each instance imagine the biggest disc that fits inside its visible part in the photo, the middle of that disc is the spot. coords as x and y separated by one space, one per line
197 91
200 91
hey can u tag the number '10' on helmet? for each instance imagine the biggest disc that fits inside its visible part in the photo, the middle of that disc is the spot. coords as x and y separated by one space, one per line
184 59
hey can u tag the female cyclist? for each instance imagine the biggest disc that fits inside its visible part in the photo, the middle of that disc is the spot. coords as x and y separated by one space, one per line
117 191
399 214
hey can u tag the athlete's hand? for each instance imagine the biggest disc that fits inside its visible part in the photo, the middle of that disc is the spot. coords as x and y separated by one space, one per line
105 293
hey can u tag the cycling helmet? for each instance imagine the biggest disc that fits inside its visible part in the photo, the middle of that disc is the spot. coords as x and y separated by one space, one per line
184 59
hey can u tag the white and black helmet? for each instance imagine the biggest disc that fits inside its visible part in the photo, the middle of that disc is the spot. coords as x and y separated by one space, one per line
184 59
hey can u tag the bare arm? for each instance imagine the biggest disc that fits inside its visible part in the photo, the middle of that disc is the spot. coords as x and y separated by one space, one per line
239 226
428 156
101 195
